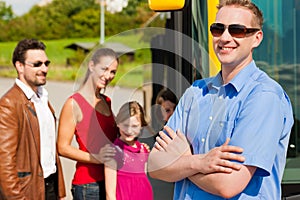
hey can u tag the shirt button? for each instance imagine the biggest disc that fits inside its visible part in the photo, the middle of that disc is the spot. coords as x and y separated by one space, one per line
210 117
203 140
221 124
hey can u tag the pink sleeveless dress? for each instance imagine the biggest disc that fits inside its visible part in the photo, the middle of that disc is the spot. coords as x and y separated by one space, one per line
132 180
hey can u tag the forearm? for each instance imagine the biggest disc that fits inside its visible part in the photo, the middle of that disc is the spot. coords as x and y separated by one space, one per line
77 154
171 168
171 159
226 185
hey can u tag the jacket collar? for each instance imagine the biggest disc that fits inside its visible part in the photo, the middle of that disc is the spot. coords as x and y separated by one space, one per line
29 93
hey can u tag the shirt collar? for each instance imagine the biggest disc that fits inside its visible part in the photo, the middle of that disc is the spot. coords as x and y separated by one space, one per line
216 82
237 82
243 76
42 92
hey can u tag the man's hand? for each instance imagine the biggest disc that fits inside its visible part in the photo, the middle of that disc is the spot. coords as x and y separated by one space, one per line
168 149
174 143
219 159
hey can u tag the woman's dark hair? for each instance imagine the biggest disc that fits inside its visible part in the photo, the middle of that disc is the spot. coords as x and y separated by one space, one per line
165 95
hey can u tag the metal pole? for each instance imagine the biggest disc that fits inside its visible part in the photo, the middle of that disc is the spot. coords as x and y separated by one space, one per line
102 24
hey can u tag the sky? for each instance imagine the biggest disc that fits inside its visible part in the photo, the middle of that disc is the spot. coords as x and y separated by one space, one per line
20 7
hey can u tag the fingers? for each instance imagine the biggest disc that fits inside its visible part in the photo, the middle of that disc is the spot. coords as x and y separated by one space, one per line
159 144
233 156
226 148
226 142
108 150
223 169
107 153
165 137
146 146
170 132
226 164
162 141
230 153
181 135
231 149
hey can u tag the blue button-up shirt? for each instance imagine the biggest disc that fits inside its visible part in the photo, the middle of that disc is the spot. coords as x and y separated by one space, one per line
254 112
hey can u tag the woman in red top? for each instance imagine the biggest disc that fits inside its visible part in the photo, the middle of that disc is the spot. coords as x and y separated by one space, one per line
87 114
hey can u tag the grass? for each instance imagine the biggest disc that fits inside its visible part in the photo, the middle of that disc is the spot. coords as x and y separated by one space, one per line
130 73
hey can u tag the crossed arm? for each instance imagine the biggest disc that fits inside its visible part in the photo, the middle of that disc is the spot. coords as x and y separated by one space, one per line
171 160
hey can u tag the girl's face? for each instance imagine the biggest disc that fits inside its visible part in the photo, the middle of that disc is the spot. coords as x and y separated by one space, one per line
130 129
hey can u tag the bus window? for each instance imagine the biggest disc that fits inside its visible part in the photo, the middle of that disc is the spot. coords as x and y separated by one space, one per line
278 55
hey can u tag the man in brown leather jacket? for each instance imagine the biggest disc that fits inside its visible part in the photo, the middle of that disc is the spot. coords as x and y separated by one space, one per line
29 165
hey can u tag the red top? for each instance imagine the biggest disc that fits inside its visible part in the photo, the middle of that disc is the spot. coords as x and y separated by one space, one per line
92 132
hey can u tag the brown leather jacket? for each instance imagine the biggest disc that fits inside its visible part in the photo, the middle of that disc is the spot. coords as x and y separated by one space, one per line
21 174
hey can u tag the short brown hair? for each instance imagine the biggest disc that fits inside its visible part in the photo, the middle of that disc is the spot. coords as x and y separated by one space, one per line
258 20
23 46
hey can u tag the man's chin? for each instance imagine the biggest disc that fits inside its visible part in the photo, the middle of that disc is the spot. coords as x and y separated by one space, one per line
41 82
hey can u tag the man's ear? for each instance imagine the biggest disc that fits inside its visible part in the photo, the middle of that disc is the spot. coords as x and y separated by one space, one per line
258 38
19 67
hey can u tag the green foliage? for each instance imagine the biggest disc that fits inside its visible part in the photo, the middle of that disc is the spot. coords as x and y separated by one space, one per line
6 12
86 23
70 19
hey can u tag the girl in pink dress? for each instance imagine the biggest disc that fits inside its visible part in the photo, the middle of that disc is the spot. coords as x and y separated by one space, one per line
125 176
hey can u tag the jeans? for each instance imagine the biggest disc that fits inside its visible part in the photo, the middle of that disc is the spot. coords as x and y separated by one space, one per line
51 187
91 191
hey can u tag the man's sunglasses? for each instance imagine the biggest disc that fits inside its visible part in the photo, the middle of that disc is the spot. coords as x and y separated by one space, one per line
38 63
235 30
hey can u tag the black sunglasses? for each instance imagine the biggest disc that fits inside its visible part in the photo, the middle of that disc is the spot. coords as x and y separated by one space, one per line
235 30
38 63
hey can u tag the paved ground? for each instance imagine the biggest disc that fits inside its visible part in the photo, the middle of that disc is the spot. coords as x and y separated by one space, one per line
59 92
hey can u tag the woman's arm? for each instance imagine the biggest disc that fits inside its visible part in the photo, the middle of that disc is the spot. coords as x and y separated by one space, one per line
67 123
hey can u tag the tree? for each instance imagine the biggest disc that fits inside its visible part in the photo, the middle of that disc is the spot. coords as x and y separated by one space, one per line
86 23
6 12
70 19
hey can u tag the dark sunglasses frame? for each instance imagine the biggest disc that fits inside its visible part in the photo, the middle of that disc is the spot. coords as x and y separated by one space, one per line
235 30
39 63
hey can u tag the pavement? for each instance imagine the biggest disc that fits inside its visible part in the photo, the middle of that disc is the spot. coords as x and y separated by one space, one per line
60 91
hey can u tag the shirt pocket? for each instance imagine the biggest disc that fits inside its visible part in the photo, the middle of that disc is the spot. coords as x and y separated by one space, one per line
24 178
219 132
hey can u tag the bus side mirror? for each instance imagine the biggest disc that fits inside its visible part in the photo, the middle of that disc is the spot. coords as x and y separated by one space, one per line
167 5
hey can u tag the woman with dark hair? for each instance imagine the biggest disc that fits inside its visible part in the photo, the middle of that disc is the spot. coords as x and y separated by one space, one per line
168 101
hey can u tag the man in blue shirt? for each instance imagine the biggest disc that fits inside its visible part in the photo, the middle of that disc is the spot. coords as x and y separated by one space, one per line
241 103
